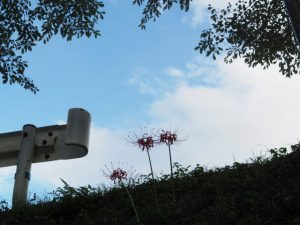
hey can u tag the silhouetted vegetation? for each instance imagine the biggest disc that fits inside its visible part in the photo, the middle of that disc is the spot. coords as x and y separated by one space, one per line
263 191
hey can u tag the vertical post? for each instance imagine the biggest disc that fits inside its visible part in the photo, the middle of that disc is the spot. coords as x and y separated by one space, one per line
22 175
293 10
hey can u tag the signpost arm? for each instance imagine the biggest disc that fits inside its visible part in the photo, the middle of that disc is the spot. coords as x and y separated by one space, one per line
32 145
22 175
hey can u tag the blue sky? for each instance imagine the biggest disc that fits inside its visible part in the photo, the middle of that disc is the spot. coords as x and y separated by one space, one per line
86 71
129 78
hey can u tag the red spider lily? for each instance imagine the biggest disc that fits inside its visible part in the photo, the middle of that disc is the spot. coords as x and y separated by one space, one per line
146 142
168 137
118 175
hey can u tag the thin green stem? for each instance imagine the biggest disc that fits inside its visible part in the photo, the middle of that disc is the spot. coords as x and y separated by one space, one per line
153 181
152 174
172 177
133 205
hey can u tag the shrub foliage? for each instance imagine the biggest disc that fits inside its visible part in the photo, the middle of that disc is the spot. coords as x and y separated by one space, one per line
265 190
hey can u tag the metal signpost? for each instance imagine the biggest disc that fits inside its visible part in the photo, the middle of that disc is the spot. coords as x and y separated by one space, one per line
33 145
293 9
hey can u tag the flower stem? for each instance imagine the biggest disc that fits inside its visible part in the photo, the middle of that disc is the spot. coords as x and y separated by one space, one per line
152 174
153 181
133 205
172 177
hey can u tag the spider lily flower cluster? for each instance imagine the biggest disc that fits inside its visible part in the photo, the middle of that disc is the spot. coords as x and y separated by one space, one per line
168 137
118 175
147 141
144 142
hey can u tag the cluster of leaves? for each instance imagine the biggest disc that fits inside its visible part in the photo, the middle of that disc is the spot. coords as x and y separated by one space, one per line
152 9
69 192
257 31
24 24
264 191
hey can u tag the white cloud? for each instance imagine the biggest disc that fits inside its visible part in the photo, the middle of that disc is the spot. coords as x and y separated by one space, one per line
200 71
250 110
60 122
174 72
6 181
141 79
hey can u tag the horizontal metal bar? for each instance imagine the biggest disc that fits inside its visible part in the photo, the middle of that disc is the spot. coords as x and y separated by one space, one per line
44 149
51 142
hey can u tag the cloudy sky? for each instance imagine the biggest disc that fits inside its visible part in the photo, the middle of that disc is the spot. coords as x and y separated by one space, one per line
130 78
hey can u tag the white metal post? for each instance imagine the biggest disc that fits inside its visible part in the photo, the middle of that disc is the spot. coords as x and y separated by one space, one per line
22 175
